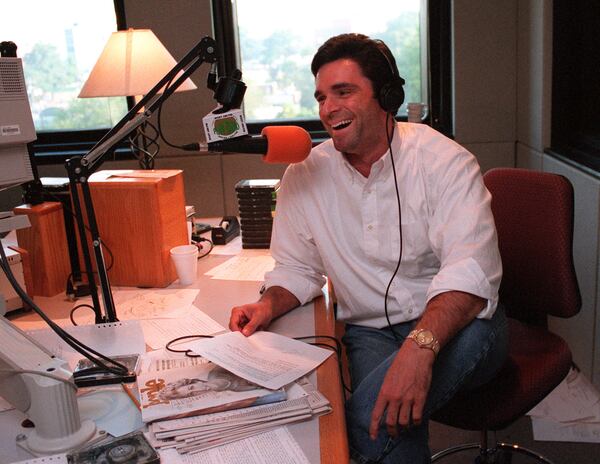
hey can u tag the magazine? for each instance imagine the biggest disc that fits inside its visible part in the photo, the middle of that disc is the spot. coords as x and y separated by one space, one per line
199 389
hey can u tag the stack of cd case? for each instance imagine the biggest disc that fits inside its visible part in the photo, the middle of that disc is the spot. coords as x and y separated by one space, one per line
256 200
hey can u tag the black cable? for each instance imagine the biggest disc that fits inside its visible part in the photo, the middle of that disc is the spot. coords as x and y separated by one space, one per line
149 148
202 239
387 290
78 346
158 119
83 305
338 351
186 352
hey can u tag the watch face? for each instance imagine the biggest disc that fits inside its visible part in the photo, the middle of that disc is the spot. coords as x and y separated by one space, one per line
425 338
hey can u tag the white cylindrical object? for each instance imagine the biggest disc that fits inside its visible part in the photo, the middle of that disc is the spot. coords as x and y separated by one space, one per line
416 111
185 258
55 413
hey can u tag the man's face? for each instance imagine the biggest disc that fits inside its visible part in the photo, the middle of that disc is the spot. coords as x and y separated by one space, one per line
350 113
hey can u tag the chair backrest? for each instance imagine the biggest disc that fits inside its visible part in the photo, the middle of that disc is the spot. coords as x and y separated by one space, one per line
533 212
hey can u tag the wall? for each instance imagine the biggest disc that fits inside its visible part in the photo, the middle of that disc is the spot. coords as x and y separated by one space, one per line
485 79
533 137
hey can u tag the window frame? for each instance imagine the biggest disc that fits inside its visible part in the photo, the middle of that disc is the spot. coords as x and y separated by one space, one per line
438 56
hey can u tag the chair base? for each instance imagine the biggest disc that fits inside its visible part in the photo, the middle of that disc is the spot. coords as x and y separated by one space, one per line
501 453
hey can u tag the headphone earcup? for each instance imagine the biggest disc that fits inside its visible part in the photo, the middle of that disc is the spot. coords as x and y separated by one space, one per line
391 95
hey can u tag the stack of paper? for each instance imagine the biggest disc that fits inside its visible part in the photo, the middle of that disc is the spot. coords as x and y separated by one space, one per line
199 433
275 446
571 412
251 385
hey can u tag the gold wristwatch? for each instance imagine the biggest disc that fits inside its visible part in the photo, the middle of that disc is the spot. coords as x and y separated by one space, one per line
425 339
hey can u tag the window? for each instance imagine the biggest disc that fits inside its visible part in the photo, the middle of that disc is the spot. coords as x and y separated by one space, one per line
575 90
275 42
59 42
276 53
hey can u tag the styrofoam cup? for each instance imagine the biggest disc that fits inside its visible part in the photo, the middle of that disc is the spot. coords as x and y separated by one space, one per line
185 258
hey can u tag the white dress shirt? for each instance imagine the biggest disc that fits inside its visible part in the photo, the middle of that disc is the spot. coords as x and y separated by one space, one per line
332 221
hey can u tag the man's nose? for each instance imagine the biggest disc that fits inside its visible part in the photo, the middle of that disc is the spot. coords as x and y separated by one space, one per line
329 107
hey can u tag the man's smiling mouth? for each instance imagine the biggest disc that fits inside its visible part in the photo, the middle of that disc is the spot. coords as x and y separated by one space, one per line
342 124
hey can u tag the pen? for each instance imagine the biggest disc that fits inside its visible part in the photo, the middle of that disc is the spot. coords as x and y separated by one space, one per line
131 396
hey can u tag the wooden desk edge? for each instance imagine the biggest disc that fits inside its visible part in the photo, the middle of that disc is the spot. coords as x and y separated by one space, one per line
332 427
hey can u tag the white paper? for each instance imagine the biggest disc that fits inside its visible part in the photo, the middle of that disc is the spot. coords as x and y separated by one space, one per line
246 268
276 446
571 412
575 399
111 339
53 459
232 248
186 321
143 304
548 430
163 360
264 358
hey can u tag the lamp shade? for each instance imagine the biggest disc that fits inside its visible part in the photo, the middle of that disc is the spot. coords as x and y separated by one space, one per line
131 63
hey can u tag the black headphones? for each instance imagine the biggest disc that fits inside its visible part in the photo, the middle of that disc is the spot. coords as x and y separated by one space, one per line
391 94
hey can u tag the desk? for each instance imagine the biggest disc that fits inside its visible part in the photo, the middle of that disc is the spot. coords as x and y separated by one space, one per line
216 298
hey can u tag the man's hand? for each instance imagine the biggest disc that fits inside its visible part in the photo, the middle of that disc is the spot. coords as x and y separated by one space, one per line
257 316
406 384
404 391
250 318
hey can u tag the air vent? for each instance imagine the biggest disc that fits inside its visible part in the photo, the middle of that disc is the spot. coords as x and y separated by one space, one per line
12 83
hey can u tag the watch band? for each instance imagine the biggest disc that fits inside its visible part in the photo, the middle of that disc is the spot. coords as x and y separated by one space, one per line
424 338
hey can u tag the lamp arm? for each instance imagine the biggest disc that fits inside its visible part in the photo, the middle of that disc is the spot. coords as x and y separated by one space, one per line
204 51
79 169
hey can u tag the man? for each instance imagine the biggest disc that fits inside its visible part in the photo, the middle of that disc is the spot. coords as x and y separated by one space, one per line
397 216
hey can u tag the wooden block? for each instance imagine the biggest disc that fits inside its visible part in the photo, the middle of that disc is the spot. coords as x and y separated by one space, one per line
46 245
140 218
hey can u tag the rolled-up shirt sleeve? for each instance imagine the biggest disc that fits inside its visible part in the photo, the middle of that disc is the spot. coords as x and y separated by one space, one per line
298 265
462 233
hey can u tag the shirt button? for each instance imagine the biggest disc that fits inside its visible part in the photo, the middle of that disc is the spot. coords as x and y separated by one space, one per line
410 311
369 191
370 227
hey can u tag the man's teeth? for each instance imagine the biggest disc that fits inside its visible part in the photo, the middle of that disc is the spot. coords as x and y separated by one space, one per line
341 124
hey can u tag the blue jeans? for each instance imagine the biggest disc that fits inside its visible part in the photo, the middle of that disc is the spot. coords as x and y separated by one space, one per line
470 359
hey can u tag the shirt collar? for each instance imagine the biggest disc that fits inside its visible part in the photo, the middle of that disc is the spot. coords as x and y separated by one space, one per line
382 165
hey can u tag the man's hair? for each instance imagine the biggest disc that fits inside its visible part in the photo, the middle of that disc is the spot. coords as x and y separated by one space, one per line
369 54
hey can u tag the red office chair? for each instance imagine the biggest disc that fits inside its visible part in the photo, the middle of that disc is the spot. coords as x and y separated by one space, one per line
534 217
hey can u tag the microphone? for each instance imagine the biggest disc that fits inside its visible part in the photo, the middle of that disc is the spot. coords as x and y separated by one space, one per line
277 144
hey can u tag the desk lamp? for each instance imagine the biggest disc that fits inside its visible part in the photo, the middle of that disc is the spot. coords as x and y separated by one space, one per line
132 62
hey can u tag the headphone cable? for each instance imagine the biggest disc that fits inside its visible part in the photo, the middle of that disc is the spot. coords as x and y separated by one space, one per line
387 290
